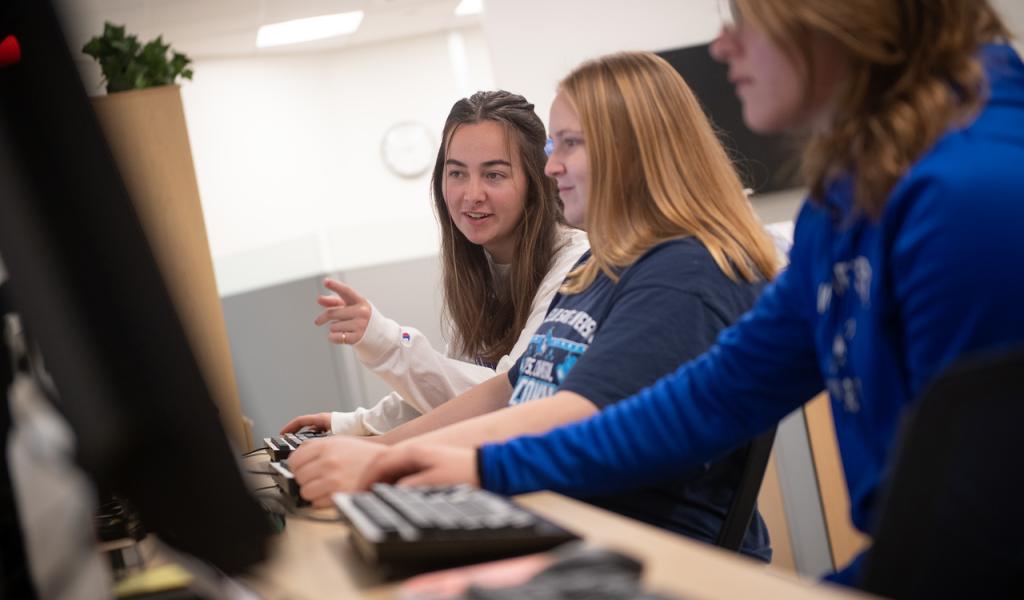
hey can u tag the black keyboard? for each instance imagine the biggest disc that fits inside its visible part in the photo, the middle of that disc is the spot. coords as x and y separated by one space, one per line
393 524
282 446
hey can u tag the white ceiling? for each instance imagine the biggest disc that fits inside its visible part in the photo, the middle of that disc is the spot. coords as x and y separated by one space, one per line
214 28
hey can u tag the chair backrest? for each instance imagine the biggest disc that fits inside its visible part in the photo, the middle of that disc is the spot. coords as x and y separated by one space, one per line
741 510
950 522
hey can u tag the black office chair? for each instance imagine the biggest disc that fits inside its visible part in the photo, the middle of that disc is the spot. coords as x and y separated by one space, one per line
741 510
951 522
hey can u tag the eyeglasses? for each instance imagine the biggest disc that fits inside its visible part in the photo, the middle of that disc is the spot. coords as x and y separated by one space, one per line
729 14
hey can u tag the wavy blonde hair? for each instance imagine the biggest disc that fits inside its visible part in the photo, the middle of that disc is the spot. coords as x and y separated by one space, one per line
914 73
657 172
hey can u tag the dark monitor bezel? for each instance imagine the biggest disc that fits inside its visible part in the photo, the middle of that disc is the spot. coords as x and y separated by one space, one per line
85 283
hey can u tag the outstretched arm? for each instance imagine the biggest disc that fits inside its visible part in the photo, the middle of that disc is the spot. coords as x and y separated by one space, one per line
487 397
537 416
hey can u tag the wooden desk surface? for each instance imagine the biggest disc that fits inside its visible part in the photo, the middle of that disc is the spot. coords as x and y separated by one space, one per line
315 560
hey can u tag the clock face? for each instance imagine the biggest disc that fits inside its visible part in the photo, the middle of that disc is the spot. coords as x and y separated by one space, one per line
408 149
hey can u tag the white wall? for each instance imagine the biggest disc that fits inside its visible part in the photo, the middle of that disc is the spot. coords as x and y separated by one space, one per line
1013 13
287 154
534 43
286 147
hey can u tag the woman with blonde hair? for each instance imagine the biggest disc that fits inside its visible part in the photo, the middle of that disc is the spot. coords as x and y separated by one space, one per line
505 249
902 263
676 256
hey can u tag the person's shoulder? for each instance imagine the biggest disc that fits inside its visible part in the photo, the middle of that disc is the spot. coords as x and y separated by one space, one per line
679 262
965 179
688 249
966 189
571 241
967 161
982 158
571 245
684 268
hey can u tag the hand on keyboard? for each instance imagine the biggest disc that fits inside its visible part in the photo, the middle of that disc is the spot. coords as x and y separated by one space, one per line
423 464
281 447
333 464
318 422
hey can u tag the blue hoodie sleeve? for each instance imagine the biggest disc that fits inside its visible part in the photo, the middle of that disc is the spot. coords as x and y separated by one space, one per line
758 371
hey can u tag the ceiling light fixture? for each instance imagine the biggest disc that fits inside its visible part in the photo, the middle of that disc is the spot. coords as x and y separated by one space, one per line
469 7
307 30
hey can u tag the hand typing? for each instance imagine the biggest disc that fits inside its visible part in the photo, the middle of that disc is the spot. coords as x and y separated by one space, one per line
334 464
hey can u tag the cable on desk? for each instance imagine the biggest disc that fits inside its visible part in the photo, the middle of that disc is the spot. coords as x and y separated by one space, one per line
290 508
266 487
254 452
298 514
257 472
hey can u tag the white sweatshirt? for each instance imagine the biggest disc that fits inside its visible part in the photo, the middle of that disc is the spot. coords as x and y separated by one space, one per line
424 378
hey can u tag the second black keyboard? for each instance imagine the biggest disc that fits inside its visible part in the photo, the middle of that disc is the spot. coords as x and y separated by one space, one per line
282 446
443 524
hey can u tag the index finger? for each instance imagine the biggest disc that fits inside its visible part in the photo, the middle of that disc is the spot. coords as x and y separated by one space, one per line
349 295
298 423
329 301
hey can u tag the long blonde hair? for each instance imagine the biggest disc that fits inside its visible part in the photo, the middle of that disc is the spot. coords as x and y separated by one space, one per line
657 172
914 72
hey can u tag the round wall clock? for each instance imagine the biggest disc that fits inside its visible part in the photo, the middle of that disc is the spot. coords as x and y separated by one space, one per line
408 149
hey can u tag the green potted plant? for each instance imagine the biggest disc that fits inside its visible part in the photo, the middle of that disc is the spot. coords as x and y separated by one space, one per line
128 64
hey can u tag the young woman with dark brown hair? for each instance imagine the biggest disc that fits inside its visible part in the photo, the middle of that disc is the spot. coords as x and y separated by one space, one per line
906 257
505 249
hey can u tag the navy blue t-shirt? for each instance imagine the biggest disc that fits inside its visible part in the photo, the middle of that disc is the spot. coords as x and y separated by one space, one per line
611 340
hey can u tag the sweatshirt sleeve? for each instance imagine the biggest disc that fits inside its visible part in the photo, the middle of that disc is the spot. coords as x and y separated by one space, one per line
423 376
390 412
758 371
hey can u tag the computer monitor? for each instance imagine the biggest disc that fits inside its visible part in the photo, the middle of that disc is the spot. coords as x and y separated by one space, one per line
85 283
766 163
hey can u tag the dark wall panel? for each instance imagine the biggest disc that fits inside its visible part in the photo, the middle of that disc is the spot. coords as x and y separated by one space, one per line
766 163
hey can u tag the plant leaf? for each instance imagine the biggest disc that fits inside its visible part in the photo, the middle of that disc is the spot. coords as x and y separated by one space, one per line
128 64
113 32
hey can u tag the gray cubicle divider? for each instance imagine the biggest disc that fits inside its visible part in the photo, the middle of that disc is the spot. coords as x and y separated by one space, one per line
408 292
801 497
284 364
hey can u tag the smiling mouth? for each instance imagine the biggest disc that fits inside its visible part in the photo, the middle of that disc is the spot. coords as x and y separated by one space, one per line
477 216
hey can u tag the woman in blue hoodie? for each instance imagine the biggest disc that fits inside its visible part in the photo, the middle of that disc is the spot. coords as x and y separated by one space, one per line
906 255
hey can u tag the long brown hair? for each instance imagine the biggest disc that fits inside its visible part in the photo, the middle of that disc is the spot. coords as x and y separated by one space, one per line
914 72
657 172
486 318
